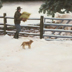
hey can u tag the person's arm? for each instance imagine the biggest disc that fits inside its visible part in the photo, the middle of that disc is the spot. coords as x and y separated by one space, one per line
17 16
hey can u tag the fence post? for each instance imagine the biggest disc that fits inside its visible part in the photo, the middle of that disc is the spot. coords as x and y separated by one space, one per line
4 23
41 27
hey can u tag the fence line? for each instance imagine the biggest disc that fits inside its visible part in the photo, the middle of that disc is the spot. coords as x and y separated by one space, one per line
42 27
5 24
57 29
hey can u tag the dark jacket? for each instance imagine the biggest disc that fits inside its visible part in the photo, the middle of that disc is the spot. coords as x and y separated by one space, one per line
17 17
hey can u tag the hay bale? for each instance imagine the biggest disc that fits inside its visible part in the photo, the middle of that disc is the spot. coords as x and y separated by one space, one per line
25 16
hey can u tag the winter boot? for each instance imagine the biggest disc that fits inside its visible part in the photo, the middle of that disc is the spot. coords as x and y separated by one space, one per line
16 36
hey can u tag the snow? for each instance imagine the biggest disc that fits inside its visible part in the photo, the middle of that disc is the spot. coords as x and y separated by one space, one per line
44 56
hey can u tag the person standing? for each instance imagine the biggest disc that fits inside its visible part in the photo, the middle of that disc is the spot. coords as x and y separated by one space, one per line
17 22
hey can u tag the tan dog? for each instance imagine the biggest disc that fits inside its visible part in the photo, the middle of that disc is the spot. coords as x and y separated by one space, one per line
28 43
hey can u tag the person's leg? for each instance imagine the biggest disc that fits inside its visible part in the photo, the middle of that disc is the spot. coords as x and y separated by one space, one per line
15 35
18 29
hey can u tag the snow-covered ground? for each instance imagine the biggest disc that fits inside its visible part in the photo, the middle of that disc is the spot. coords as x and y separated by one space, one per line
44 56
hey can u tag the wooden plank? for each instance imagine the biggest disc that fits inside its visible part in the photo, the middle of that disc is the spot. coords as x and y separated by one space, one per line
1 23
58 18
35 34
24 25
58 36
9 17
30 26
57 30
1 16
28 18
53 24
10 31
33 18
53 39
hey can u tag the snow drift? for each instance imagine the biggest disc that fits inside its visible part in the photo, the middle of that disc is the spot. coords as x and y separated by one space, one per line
44 56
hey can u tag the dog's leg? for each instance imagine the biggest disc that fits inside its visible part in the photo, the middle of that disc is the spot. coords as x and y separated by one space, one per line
29 46
23 47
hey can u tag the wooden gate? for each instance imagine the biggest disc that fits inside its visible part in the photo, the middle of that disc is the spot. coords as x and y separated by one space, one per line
57 29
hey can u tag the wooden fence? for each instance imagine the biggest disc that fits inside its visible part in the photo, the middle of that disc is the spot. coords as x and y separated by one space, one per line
43 23
55 37
35 34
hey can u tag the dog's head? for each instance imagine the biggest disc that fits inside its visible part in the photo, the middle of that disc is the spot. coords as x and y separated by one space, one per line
31 41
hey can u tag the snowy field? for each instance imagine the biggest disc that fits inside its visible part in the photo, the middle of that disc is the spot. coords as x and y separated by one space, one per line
44 56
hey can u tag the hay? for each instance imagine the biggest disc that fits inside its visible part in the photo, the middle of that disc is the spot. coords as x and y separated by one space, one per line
25 16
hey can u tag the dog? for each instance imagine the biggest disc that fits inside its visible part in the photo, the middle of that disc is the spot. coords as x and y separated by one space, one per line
28 43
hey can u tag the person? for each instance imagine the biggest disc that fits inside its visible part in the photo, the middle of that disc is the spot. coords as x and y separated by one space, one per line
17 22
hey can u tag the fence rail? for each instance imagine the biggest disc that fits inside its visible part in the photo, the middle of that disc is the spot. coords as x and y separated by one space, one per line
24 25
58 36
1 16
58 18
34 34
52 24
1 23
57 30
28 19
